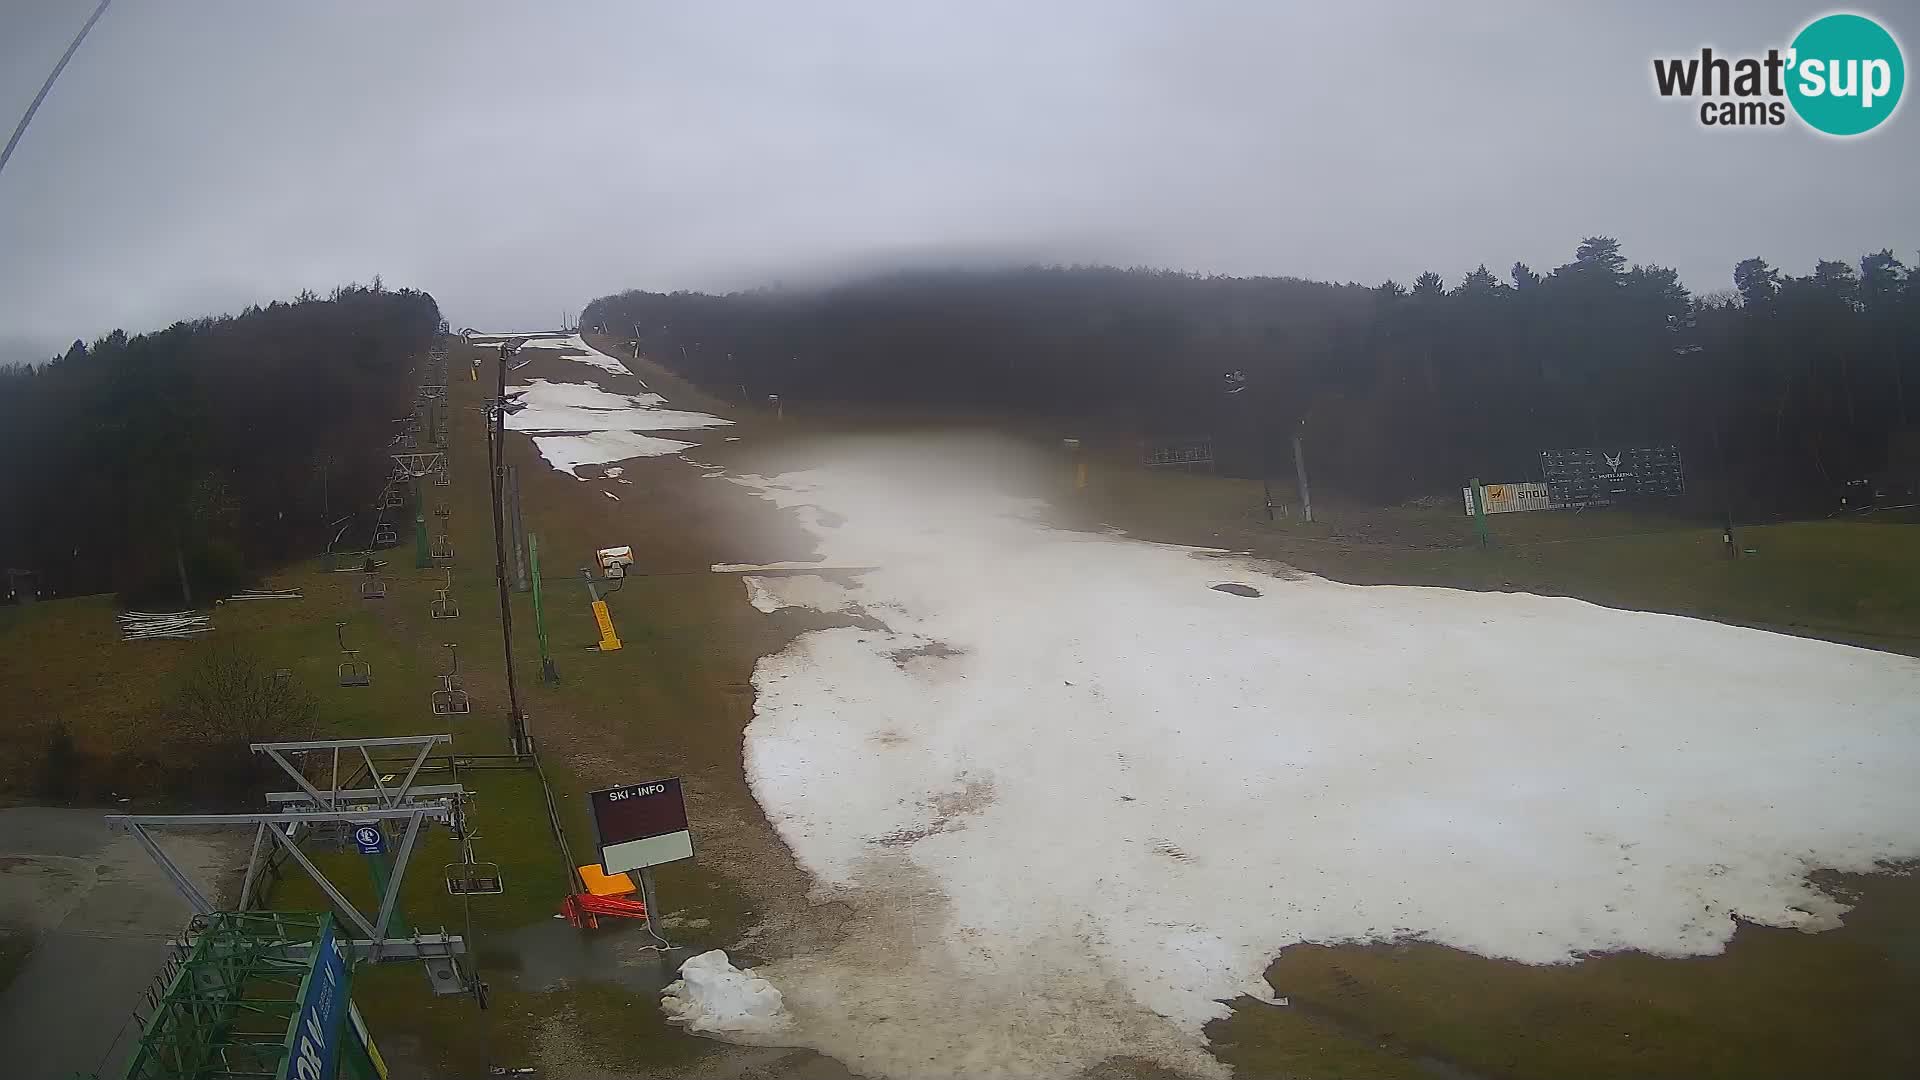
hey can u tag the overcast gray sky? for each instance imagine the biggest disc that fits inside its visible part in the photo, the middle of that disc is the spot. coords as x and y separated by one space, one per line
518 159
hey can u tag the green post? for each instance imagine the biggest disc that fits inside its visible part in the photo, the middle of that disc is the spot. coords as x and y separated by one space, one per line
1479 511
420 559
548 673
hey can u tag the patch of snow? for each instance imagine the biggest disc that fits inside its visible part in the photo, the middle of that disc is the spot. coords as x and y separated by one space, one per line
1076 798
770 594
715 997
574 347
568 452
611 495
551 406
577 424
552 395
615 472
737 568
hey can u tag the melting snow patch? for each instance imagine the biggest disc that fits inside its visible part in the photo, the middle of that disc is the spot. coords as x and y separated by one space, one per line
551 406
1169 787
770 594
568 452
712 995
574 347
599 425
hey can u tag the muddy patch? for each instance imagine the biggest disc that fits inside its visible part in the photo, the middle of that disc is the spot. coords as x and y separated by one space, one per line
932 650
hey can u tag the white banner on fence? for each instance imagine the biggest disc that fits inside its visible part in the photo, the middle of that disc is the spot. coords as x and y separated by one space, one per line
1509 498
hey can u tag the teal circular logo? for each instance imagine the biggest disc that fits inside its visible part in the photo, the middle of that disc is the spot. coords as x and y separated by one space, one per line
1846 74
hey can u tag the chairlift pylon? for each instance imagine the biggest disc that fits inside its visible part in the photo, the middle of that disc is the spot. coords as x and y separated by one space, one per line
353 670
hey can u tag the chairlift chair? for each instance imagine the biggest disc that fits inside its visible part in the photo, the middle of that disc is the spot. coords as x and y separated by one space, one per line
475 879
440 547
353 670
440 479
385 533
444 604
450 699
373 587
441 509
332 556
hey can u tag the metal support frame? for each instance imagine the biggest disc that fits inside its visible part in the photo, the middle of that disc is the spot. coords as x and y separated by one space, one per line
314 810
227 997
277 829
417 465
334 797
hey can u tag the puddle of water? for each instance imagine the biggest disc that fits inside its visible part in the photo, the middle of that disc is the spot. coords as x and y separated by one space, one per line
552 955
1236 589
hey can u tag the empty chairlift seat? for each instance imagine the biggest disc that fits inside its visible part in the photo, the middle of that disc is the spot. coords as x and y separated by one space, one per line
450 699
353 670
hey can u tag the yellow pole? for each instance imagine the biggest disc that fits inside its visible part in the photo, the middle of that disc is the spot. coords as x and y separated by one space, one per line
609 642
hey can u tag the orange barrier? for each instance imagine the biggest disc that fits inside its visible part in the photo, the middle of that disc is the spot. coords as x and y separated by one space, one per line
585 910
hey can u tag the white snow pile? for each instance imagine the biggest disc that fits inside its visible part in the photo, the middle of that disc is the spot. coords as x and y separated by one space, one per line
713 996
599 426
1075 797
